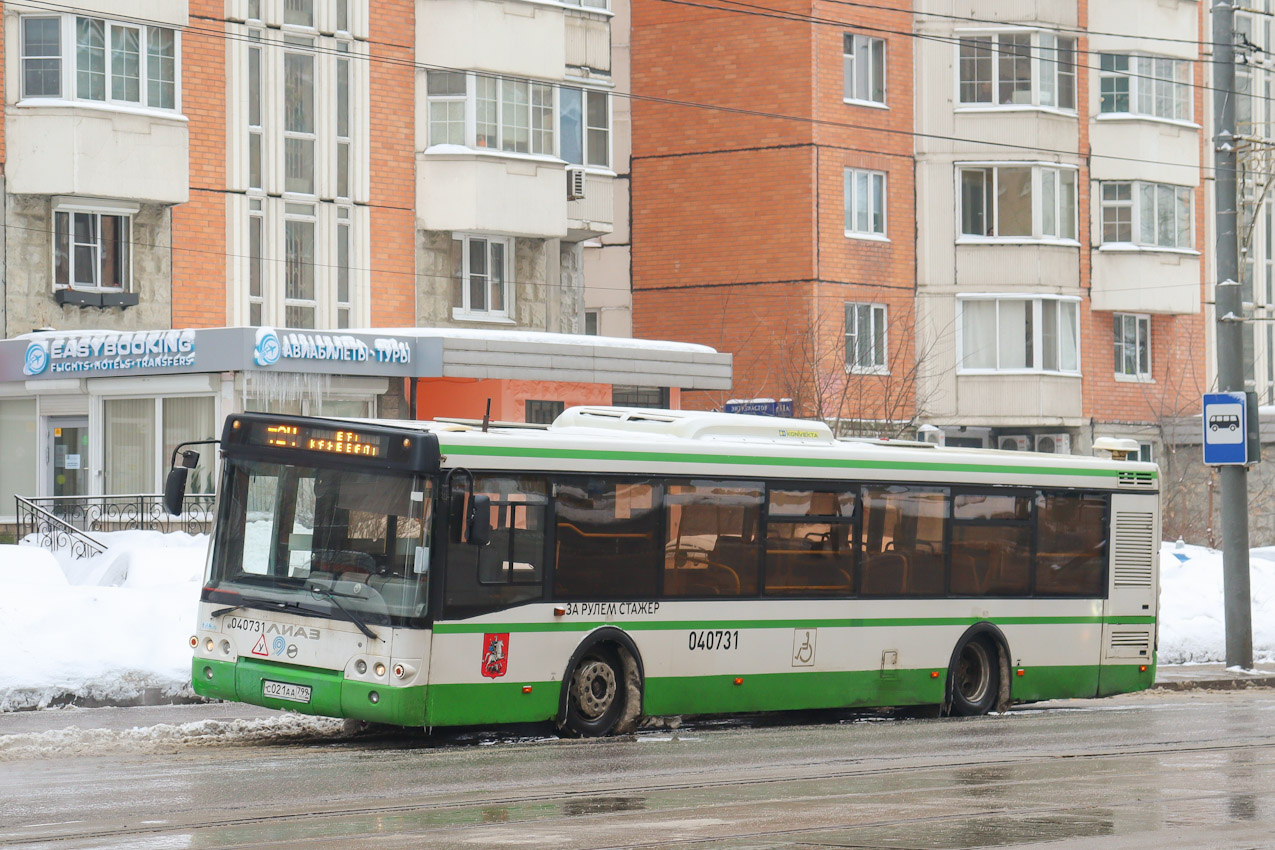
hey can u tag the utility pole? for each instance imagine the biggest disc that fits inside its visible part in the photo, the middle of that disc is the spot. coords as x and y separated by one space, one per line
1230 340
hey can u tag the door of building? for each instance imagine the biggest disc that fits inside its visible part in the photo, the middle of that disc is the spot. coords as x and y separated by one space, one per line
68 458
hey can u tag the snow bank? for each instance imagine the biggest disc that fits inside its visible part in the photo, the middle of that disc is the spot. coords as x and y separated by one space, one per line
107 628
1192 627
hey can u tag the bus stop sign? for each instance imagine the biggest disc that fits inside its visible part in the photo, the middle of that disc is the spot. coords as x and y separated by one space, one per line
1225 429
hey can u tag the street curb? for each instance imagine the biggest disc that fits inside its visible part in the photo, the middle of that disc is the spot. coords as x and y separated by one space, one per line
1229 684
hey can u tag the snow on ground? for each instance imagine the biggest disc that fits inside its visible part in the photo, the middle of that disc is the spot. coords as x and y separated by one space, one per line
110 627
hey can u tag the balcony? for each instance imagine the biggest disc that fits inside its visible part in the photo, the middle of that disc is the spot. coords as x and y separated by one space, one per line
65 148
458 189
521 38
1005 400
1133 280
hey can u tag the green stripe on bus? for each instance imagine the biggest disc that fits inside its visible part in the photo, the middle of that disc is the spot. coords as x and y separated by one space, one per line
830 623
765 460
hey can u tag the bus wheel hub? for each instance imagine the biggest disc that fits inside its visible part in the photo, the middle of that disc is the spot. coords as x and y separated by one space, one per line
594 688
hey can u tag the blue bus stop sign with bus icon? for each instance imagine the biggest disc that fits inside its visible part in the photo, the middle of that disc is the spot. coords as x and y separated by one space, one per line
1225 429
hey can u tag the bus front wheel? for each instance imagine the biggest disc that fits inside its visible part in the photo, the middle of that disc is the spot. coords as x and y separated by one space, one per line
597 694
974 678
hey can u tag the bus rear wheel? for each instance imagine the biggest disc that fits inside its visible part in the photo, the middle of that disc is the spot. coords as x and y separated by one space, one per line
974 679
596 695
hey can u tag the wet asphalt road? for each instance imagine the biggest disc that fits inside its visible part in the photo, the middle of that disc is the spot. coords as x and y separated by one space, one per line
1156 770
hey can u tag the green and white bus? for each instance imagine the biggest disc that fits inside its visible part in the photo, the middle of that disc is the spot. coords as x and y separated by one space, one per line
629 562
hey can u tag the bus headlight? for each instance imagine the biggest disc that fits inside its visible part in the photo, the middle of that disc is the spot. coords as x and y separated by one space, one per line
360 666
225 647
208 644
374 697
379 669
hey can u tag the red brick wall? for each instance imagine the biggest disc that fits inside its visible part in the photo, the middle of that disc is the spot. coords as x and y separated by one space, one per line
738 220
393 188
199 225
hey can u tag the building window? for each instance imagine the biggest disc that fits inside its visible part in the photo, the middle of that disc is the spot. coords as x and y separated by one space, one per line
623 395
256 270
1018 69
480 277
1018 202
591 322
1145 453
586 122
1145 85
542 412
300 303
116 63
1152 215
1020 334
1133 345
864 68
344 305
298 119
41 57
91 249
865 202
495 113
865 338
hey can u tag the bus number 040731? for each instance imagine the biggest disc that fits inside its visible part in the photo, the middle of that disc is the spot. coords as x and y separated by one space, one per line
713 639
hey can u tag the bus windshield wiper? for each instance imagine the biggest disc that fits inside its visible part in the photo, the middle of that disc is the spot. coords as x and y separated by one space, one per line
248 602
349 615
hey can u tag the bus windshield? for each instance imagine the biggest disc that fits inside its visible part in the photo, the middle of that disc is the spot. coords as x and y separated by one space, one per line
337 542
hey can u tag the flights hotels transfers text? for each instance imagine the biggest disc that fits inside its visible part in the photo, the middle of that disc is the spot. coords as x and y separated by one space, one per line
611 609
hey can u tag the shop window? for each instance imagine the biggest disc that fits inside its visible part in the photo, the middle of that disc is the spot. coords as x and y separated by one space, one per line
542 412
18 473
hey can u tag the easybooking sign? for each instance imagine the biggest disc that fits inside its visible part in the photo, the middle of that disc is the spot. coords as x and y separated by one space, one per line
107 353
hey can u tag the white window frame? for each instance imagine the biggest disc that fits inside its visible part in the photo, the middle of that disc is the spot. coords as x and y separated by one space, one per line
536 135
72 208
68 67
1138 192
296 213
1039 336
466 310
864 55
1041 175
1052 62
1142 334
857 214
24 58
879 346
1146 87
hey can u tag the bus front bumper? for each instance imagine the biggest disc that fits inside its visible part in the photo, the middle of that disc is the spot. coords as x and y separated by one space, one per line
330 694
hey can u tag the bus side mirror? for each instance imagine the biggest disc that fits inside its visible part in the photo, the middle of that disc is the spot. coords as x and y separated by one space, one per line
175 483
478 523
175 489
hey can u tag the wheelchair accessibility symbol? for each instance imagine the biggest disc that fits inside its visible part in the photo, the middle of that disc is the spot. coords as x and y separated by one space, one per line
803 647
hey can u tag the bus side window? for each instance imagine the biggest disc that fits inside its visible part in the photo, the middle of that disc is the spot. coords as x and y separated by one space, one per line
904 541
1071 544
991 544
712 538
608 543
809 539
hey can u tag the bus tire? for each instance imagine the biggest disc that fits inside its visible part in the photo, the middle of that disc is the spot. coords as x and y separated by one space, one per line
974 680
597 693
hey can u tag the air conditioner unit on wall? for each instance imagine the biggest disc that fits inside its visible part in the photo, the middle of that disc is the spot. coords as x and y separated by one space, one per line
575 184
1054 444
1013 443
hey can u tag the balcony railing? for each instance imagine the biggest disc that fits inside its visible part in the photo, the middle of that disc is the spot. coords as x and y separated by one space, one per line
57 520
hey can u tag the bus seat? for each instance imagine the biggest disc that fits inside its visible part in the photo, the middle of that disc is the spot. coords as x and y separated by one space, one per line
885 574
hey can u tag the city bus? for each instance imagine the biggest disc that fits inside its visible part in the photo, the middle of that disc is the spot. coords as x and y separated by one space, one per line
628 563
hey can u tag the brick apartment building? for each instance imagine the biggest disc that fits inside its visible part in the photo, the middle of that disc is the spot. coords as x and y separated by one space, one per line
990 215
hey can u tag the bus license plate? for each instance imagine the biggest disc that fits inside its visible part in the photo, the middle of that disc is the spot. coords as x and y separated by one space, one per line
282 690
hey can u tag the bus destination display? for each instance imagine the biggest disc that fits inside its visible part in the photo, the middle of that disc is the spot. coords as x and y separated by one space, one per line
329 440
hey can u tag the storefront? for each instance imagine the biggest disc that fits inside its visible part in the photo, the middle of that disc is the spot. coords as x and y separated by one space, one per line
99 412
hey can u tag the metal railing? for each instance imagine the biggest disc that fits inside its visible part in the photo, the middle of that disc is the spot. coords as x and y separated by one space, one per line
52 532
99 514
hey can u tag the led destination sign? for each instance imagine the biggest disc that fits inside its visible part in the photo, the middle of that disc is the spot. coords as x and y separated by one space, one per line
329 440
